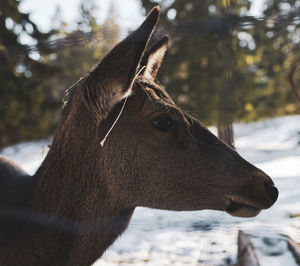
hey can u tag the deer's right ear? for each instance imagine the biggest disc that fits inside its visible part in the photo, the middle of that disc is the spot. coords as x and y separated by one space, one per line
153 58
112 80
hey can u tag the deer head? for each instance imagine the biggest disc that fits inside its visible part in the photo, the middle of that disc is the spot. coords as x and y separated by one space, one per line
156 155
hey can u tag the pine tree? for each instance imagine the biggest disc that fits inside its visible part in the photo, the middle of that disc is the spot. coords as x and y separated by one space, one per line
205 71
88 44
34 78
24 111
278 44
227 66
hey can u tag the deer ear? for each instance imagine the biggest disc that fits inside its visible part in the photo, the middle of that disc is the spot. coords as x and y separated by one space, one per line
112 80
153 58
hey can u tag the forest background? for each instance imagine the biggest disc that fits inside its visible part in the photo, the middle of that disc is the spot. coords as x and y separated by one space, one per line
223 65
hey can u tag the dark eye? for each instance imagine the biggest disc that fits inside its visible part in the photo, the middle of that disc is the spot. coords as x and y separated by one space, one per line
163 123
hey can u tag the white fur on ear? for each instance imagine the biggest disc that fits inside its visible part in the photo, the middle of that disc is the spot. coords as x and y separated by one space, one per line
154 57
154 63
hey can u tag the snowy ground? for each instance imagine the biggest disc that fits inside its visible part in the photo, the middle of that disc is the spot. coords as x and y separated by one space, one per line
157 237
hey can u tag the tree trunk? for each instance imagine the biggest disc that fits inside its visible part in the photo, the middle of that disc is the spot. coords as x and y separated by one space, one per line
291 80
226 104
225 133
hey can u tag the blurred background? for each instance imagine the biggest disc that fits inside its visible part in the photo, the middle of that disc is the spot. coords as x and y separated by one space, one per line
234 64
228 60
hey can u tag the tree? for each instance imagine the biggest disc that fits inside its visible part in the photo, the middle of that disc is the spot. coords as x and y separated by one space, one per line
278 41
226 65
206 71
89 42
34 77
24 110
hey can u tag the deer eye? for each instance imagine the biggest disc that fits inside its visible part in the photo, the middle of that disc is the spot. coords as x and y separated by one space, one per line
163 123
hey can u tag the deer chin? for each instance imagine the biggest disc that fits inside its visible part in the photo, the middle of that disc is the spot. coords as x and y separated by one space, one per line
241 209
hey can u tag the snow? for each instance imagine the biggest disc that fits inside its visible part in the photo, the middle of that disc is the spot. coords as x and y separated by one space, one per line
276 249
157 237
29 155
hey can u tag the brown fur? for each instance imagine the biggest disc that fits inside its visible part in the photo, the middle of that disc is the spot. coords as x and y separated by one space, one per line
15 187
15 183
85 194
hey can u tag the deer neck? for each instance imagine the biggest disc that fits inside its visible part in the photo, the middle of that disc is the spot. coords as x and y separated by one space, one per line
71 224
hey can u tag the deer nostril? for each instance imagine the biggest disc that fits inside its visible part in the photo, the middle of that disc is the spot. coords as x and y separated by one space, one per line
272 192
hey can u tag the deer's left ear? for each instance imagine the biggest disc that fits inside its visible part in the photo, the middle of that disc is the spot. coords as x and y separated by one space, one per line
153 58
112 80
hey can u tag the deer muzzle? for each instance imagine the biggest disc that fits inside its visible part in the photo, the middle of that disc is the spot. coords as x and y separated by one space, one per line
243 206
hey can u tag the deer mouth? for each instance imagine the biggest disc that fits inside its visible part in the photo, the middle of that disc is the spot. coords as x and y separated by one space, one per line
241 209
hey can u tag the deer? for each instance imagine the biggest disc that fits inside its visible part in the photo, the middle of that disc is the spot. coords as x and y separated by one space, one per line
122 142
